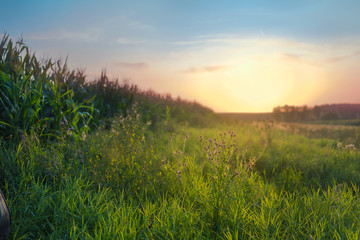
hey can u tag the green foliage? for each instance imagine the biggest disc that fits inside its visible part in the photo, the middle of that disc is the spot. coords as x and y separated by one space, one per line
132 182
109 98
34 96
322 112
123 157
342 135
154 168
52 100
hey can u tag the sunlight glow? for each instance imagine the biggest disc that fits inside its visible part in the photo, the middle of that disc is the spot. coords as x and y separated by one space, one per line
258 80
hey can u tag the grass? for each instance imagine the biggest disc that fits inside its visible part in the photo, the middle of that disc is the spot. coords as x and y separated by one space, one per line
298 188
342 135
351 122
189 175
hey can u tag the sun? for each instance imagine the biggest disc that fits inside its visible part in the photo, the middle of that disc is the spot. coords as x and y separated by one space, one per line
259 85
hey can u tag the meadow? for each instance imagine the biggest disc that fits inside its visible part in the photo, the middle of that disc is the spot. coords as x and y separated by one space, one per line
105 160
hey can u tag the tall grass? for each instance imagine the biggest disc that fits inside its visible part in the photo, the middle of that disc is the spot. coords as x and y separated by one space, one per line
173 191
33 96
47 97
153 168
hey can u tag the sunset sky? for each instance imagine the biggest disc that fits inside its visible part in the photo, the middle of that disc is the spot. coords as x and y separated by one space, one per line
232 56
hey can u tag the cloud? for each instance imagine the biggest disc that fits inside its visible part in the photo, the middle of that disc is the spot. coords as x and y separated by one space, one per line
140 25
205 41
127 41
90 35
138 65
205 69
292 56
299 58
344 57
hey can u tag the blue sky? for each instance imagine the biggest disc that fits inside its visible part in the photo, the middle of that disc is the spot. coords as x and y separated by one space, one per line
229 55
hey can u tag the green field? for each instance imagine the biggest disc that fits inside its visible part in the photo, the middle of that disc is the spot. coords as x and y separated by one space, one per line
129 182
351 122
151 167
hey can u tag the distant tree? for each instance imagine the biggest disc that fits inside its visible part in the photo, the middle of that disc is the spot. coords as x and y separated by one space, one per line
324 112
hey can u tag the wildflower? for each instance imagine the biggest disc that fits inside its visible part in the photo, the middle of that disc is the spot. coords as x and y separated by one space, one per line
184 164
83 136
251 166
350 147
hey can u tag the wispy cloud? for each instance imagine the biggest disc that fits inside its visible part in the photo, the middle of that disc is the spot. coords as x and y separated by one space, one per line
140 25
344 57
204 41
208 39
127 41
136 65
214 68
299 58
66 35
292 56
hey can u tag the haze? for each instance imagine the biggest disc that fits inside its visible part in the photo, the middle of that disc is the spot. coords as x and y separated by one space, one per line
233 56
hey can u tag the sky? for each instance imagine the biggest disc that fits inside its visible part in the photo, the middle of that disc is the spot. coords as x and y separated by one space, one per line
231 56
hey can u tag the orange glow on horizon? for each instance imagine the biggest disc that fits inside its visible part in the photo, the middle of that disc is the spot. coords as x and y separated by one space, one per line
259 85
249 75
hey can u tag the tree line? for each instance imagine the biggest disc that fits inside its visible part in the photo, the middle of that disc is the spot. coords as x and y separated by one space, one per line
318 112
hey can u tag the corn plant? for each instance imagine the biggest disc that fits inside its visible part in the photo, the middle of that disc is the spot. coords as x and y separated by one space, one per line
34 96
